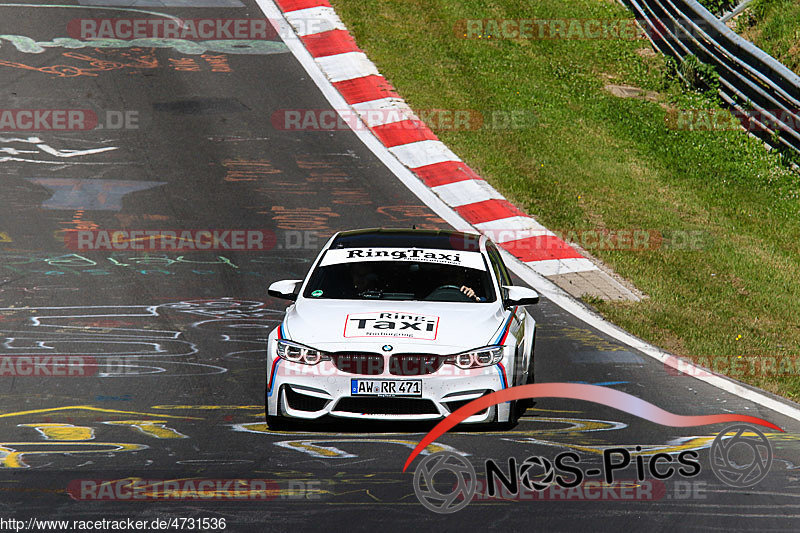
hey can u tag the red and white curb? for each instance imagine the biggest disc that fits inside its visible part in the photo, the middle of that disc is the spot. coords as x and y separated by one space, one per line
357 79
543 285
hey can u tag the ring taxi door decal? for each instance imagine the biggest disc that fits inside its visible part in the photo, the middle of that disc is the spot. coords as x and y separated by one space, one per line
391 324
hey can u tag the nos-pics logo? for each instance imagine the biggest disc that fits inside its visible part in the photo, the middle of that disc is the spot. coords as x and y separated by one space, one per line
445 482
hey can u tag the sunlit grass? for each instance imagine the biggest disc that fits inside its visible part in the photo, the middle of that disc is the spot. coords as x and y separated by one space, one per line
593 160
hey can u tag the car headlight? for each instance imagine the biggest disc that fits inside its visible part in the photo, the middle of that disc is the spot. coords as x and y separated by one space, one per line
487 356
297 353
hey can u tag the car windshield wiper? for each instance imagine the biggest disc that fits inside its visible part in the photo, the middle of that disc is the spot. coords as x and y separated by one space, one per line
371 293
377 294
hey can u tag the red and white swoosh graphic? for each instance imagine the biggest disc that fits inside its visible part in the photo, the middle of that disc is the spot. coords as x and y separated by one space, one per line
578 391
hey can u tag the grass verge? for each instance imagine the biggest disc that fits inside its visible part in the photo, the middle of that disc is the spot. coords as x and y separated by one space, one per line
774 26
595 160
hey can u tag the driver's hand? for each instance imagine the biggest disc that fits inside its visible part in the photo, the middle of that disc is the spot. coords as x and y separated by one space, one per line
469 292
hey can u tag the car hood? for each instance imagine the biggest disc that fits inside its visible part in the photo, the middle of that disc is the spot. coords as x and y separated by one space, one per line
428 327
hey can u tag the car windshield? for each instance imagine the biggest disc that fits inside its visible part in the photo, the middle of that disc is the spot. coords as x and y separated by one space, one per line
407 279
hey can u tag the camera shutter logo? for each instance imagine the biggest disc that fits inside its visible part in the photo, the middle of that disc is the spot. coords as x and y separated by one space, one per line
547 477
740 456
445 502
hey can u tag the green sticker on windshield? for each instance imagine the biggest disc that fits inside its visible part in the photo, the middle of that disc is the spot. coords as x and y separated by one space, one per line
317 293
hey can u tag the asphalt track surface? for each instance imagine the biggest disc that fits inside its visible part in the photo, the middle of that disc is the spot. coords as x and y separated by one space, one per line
179 337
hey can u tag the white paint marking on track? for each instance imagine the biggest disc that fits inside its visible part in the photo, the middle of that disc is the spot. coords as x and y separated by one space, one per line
466 192
422 153
552 267
314 20
512 229
545 287
384 111
347 66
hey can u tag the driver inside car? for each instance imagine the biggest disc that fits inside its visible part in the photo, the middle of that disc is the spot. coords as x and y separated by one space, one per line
471 293
464 285
365 280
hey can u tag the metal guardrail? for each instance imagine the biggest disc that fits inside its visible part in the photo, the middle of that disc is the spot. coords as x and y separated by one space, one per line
751 81
735 11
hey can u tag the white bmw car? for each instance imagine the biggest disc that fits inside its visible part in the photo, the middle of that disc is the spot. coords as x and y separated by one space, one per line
400 325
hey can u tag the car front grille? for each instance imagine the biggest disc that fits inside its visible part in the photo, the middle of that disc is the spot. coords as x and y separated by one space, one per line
387 406
415 364
372 364
364 363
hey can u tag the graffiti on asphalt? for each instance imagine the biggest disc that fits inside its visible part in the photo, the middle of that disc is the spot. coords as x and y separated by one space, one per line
127 340
155 264
27 45
146 60
25 153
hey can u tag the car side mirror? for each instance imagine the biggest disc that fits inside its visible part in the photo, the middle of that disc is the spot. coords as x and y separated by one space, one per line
520 296
286 289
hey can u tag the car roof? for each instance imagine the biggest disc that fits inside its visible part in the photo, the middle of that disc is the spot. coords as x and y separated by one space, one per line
407 238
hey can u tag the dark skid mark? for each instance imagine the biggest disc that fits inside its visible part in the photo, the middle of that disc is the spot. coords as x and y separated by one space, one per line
201 106
622 357
162 3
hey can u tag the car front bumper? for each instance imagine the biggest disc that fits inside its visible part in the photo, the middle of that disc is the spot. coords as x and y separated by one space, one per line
304 392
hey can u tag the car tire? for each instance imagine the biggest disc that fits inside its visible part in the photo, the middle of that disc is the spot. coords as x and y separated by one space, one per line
518 407
516 411
277 423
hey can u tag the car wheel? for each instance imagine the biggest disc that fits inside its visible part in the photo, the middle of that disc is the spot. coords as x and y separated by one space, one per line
516 411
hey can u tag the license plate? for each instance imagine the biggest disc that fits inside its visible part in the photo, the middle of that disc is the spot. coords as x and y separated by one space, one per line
386 387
